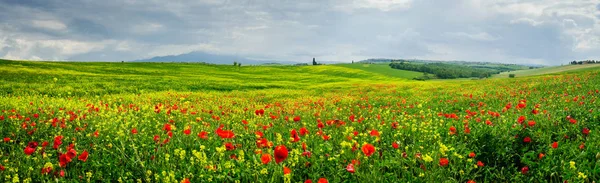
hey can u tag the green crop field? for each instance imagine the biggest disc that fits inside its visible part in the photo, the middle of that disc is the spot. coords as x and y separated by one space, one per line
184 122
548 70
383 69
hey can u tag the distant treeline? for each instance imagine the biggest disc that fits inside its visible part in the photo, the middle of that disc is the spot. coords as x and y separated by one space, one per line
452 71
574 62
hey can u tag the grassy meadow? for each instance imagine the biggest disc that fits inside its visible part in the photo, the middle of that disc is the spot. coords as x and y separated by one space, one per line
184 122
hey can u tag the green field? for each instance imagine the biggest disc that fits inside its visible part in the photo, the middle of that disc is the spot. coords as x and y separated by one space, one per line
184 122
548 70
98 78
383 69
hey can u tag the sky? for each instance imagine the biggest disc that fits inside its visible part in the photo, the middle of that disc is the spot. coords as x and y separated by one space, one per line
547 32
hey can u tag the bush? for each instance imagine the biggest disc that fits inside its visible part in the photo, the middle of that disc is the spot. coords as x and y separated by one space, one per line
511 75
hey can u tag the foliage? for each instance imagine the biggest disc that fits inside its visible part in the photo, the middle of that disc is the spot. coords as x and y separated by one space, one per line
174 122
451 71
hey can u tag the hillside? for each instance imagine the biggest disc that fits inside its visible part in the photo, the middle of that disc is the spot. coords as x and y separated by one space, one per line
111 78
548 70
231 123
383 69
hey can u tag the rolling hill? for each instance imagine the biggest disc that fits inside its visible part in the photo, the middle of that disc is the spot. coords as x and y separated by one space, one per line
548 70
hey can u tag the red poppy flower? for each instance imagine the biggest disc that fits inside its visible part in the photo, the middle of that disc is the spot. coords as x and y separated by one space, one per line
526 139
443 162
229 146
355 162
186 180
521 119
308 181
368 149
572 121
286 170
524 170
71 153
46 170
480 164
322 180
64 160
521 104
134 131
167 127
303 131
83 156
350 168
263 143
294 135
281 153
303 146
471 181
156 138
374 132
259 112
555 145
531 123
203 135
585 131
187 131
541 155
2 168
297 118
57 141
265 158
224 134
28 150
320 124
395 145
452 130
6 139
472 155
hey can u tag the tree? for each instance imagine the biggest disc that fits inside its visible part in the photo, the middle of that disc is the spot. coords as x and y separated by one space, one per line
314 62
235 63
239 64
511 75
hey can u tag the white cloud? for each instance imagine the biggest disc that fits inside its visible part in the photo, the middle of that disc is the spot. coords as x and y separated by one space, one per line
170 49
382 5
526 21
481 36
145 28
34 49
49 24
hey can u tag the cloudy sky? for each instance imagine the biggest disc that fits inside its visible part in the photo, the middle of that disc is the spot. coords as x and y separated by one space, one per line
547 32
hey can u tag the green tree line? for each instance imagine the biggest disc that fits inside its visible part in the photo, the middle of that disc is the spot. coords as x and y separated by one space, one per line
451 71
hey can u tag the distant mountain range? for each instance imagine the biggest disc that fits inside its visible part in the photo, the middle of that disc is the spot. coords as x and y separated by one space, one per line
204 57
379 60
212 59
198 56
